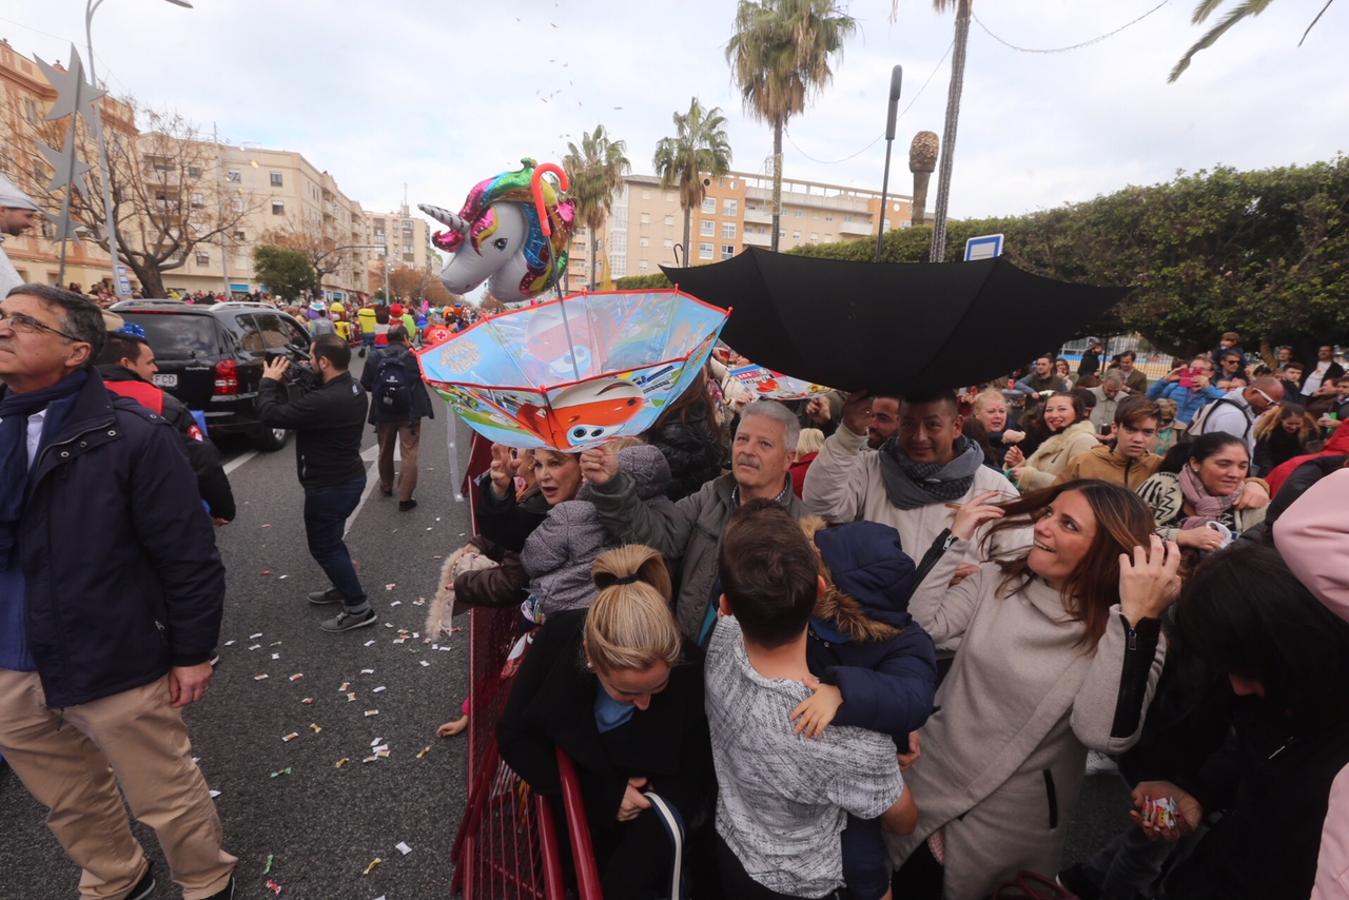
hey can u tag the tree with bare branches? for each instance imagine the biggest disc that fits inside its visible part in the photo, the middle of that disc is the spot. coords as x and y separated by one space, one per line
409 283
166 200
322 250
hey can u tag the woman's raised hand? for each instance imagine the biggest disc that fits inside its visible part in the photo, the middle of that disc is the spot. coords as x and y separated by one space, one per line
1149 581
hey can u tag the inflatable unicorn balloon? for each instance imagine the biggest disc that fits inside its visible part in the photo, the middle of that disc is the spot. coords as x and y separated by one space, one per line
513 232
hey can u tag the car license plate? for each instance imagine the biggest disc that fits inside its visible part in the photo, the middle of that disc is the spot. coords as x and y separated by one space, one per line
165 381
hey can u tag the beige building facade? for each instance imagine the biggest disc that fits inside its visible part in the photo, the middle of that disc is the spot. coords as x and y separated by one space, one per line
647 222
25 98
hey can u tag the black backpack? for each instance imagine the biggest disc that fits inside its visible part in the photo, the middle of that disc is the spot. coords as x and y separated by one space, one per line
393 386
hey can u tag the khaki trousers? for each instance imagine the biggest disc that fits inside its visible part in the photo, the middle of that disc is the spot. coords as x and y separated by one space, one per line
409 436
72 760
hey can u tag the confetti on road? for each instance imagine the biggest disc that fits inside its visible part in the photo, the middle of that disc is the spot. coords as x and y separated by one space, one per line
367 671
376 742
282 577
261 677
370 643
276 656
213 793
420 601
370 759
254 637
346 686
277 774
389 587
402 848
290 737
396 603
315 727
267 869
421 754
341 763
273 887
296 677
265 572
308 701
230 643
371 712
351 697
255 647
423 663
378 689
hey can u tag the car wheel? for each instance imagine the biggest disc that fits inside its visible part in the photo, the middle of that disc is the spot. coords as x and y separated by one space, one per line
269 439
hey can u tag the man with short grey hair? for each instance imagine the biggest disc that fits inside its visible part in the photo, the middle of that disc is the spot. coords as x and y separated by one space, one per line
18 213
690 531
1108 396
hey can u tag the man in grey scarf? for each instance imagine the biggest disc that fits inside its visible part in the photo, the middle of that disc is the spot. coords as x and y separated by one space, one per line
913 482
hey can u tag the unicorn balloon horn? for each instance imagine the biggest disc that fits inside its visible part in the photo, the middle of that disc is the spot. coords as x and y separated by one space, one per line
513 232
444 217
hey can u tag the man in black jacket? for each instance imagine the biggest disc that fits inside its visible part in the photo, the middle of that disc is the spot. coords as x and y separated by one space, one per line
328 421
127 363
398 403
111 593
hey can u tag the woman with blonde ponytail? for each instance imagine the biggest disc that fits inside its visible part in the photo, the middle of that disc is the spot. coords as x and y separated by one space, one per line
610 687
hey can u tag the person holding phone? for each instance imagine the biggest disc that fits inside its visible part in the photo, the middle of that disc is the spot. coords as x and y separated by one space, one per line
1190 387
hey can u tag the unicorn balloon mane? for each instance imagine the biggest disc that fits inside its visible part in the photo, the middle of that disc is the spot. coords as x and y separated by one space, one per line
513 232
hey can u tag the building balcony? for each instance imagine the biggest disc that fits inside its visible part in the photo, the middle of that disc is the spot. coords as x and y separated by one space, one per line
758 239
855 227
760 216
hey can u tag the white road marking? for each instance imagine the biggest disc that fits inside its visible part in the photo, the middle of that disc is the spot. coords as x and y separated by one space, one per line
370 455
239 461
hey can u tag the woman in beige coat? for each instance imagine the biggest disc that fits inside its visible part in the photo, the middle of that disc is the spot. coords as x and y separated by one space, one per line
1059 651
1071 435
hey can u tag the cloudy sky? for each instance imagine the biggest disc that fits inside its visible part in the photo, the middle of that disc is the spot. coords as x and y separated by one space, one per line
438 95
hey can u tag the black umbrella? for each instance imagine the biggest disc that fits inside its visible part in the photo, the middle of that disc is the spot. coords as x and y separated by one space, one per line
892 328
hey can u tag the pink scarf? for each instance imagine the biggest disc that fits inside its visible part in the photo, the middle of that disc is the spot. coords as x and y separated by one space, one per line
1207 508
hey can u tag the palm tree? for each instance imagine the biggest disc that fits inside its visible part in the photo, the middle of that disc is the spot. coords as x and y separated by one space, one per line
596 170
779 56
937 251
1243 10
699 146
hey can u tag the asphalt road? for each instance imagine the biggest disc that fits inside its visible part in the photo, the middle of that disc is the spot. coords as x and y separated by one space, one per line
319 825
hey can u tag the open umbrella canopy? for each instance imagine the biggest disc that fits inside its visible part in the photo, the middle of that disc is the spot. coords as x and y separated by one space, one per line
891 328
573 373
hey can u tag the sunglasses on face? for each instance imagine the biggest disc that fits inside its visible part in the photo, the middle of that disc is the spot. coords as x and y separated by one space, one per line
1268 398
22 324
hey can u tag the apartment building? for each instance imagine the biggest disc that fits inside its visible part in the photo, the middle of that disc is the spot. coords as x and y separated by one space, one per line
647 222
406 238
25 98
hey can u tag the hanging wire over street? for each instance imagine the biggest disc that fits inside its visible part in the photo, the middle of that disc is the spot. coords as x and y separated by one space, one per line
1077 46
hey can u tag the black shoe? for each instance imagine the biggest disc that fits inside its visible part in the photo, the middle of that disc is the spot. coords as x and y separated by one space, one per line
145 887
226 894
406 505
345 621
323 598
1076 879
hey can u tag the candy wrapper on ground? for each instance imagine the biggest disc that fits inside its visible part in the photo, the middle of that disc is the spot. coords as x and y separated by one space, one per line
572 373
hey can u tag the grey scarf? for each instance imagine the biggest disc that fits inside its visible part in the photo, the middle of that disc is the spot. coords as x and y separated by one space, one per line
910 485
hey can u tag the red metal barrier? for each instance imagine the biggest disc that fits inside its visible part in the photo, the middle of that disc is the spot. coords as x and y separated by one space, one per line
507 846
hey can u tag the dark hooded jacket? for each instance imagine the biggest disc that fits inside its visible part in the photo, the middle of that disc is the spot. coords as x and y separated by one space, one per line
862 638
693 449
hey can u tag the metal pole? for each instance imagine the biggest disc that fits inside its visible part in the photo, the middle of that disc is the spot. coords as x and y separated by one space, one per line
70 176
896 84
109 214
220 211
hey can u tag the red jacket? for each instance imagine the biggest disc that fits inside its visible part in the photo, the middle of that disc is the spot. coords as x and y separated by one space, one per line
1338 445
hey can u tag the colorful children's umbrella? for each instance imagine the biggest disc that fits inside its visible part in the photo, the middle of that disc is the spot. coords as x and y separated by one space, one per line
573 373
769 385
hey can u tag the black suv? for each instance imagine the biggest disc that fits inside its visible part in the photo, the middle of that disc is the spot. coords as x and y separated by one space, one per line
211 357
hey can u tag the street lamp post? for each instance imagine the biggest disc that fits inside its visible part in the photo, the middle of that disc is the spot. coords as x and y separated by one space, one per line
90 8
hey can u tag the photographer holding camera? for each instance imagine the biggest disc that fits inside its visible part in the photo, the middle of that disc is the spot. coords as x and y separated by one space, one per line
328 419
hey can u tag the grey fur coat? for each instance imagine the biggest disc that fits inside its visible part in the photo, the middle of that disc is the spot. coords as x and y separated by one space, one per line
559 554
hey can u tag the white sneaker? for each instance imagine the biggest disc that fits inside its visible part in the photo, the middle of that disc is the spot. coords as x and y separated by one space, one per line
1100 764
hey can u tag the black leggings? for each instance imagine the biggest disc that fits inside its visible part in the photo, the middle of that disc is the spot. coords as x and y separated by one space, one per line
920 878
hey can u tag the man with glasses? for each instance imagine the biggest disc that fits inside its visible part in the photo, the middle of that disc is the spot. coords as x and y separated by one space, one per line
1236 411
18 213
111 592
